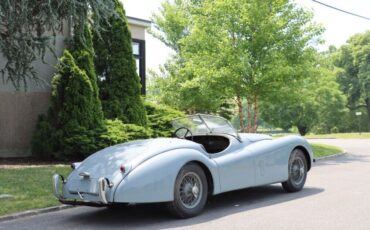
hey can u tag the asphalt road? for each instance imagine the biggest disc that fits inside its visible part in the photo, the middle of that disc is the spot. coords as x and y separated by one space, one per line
336 196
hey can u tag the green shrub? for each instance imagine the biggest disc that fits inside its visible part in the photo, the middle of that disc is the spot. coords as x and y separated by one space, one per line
117 132
72 118
160 117
119 82
42 141
84 58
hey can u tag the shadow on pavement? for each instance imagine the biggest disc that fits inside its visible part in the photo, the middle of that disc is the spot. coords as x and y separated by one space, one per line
156 216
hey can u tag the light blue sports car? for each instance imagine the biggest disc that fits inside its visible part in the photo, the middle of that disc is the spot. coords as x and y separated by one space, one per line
206 157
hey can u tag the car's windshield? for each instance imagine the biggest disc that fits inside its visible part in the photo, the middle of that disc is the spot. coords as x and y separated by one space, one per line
205 124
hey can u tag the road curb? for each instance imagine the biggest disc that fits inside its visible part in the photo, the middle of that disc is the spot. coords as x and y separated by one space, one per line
331 156
34 212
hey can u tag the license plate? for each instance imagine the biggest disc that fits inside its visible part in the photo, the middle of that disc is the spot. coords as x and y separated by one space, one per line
84 186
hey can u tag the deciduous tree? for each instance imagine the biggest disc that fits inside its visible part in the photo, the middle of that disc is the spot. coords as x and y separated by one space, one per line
354 59
239 49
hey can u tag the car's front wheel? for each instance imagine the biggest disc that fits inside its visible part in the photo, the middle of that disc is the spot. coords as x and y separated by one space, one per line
297 169
191 189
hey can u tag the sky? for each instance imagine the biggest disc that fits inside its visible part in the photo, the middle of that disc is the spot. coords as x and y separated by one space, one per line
339 26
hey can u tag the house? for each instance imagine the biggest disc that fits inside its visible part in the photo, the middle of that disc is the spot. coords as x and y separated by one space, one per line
19 110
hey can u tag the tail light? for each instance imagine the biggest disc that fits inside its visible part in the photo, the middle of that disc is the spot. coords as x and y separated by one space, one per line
122 169
75 165
125 168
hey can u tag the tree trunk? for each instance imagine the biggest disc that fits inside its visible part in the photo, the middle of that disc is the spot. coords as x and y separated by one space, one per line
249 118
255 114
302 130
239 102
367 101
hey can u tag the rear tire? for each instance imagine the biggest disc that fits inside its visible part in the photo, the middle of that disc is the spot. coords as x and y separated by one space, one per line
297 169
191 189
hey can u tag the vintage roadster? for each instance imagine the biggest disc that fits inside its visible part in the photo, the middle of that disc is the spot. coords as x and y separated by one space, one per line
206 157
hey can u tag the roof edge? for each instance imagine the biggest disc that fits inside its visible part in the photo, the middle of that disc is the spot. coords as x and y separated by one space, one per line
139 21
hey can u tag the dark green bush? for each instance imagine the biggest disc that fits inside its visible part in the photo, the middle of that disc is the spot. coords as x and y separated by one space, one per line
72 118
160 117
84 58
42 141
119 82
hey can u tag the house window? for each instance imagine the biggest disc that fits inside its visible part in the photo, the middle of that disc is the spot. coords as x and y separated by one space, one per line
138 50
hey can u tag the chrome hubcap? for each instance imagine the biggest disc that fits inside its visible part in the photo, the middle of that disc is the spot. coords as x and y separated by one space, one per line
297 171
190 190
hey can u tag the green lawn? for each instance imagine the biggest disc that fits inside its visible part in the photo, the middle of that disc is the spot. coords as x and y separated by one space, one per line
30 187
340 135
320 150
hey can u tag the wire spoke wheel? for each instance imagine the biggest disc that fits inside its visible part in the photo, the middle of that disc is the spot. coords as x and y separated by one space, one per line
190 190
297 170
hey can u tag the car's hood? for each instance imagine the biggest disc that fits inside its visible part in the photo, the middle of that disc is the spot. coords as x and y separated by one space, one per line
254 137
107 162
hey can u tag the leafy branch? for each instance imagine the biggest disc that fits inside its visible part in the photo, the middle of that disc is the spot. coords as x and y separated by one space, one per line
28 29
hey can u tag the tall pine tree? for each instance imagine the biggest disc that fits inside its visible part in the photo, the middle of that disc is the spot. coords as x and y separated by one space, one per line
119 82
83 53
67 129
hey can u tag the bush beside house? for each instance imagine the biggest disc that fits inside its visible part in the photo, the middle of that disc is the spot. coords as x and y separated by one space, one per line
84 92
119 82
66 131
74 126
160 117
83 53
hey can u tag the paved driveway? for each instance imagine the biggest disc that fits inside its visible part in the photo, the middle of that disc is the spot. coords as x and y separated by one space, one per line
336 196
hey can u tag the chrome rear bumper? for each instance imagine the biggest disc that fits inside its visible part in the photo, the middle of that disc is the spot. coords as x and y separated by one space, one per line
103 185
55 182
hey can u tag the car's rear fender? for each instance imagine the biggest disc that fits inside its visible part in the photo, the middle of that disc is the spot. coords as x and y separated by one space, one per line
154 179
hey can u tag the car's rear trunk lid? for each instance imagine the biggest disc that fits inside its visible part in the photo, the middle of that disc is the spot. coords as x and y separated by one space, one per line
107 162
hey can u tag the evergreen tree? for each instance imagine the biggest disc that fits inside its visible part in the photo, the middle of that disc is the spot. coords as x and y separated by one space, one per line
68 130
83 53
72 95
119 82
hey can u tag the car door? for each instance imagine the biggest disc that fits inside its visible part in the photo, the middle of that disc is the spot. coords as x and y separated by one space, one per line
235 166
270 162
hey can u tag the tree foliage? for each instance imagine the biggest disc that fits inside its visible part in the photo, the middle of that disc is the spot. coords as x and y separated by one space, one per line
119 82
29 27
233 49
68 128
354 59
173 23
83 53
313 102
160 118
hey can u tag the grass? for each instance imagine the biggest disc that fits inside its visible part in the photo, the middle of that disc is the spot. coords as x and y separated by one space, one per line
321 150
30 187
340 135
